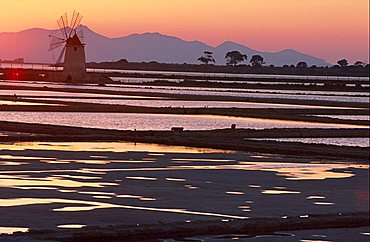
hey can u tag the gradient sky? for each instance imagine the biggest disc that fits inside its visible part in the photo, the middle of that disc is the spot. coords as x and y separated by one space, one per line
330 29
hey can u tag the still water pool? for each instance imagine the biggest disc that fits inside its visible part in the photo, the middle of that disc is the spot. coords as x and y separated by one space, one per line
141 121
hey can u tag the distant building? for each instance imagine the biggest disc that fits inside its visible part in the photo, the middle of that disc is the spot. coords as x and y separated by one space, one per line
16 60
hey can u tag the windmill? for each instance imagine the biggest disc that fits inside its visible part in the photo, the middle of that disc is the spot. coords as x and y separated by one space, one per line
68 42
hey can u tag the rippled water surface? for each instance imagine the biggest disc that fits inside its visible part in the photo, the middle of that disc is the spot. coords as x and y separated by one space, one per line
69 185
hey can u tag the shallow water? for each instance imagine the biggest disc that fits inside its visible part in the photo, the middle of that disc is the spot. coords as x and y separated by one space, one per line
71 226
132 80
189 104
124 87
231 93
318 235
154 150
3 102
11 230
238 185
131 121
52 94
351 117
236 90
253 93
359 142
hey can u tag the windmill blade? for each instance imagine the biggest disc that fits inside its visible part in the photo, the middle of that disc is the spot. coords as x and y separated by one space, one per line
55 46
63 25
81 36
55 42
75 22
59 60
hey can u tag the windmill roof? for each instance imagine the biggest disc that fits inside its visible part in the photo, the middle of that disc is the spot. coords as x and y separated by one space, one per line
74 40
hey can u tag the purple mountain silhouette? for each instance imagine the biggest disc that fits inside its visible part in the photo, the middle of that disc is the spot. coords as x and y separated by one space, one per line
32 45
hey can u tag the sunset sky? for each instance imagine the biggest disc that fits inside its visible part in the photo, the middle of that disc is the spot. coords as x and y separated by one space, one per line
330 29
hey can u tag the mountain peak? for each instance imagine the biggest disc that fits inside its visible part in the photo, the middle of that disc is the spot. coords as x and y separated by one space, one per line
288 51
229 44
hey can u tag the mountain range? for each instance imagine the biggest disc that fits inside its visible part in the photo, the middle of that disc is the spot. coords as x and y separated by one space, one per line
32 45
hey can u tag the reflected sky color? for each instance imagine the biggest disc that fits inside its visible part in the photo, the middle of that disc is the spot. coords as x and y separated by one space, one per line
144 121
292 171
346 141
90 205
3 102
211 184
48 182
279 192
71 226
106 147
11 230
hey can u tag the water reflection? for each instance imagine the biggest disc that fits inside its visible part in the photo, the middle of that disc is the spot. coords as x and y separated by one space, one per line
292 171
92 205
175 179
323 203
235 193
11 230
80 177
12 163
52 94
279 192
144 121
71 226
315 197
97 193
3 102
346 141
350 117
151 102
141 178
303 171
191 186
153 149
14 157
142 198
241 93
16 181
236 187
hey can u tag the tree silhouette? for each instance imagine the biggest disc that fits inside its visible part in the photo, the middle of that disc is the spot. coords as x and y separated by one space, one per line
359 63
234 57
257 61
207 57
302 64
342 62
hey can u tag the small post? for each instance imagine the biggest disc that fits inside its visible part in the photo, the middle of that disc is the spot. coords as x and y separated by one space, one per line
135 135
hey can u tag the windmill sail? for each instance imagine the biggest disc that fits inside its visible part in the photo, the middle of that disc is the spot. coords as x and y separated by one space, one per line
63 25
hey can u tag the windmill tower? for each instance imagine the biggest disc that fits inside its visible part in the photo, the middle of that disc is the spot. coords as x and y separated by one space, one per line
68 40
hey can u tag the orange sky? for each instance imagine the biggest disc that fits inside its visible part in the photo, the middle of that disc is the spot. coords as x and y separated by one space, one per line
330 29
